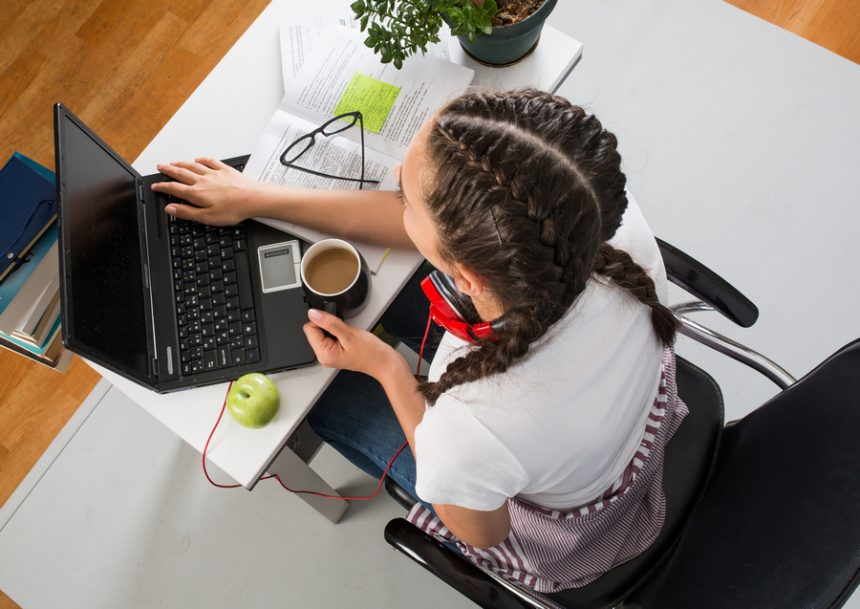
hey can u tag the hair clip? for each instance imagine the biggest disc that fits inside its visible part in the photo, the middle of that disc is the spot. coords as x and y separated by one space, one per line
496 224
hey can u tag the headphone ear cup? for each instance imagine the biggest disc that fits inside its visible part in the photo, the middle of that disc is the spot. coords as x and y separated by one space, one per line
460 303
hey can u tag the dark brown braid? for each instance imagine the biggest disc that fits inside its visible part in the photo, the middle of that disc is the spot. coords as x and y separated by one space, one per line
527 190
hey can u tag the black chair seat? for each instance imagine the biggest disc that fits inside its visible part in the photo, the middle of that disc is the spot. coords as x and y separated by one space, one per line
779 524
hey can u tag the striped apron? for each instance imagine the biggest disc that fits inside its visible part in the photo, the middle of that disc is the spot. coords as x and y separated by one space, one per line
551 550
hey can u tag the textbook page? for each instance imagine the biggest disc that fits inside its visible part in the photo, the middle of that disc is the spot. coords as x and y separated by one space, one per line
304 36
344 75
335 155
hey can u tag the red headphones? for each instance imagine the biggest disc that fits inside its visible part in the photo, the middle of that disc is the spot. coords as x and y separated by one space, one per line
449 306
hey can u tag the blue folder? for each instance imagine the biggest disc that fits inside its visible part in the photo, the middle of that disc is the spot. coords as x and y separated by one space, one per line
27 208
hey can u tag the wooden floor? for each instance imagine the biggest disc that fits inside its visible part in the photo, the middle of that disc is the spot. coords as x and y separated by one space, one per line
125 67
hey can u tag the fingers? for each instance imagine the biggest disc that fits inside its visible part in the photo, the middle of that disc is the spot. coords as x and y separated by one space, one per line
211 163
185 212
193 166
181 174
330 323
324 347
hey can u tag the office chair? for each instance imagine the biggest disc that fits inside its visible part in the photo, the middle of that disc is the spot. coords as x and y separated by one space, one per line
762 513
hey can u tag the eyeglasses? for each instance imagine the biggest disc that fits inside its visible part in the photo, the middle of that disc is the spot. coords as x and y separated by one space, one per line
331 127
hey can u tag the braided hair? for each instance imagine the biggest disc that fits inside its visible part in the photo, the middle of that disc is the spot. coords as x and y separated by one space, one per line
528 189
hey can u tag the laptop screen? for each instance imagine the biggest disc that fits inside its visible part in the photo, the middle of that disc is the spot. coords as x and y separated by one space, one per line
105 311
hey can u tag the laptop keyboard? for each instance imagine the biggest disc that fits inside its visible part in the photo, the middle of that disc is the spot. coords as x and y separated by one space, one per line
213 295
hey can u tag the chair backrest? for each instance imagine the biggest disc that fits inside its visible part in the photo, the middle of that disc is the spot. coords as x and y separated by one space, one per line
688 461
779 524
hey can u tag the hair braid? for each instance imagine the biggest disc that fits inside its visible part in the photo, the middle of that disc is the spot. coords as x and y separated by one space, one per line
621 268
527 190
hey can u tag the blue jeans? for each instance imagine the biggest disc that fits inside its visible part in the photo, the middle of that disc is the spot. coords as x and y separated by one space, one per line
354 415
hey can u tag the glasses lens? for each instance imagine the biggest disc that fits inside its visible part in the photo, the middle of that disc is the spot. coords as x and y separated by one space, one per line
340 123
297 149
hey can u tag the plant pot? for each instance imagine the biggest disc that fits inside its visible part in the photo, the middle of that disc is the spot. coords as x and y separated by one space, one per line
510 43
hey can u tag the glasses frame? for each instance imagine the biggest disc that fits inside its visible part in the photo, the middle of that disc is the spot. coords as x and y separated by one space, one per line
310 139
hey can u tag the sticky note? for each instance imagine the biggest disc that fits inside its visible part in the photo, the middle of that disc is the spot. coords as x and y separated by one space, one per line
370 96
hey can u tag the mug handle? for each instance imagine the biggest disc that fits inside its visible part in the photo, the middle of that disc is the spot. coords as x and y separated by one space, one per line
330 307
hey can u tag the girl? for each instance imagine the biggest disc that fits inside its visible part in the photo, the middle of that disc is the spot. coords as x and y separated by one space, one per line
538 452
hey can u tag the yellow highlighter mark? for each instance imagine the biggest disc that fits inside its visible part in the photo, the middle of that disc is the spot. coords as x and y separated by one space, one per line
370 96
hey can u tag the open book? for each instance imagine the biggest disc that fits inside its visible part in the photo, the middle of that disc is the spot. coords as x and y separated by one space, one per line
343 75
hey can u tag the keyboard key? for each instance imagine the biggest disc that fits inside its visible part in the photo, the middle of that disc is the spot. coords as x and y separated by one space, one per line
210 360
209 343
236 341
250 341
228 266
224 356
239 245
232 304
196 366
229 278
221 325
233 316
252 355
226 252
222 337
248 315
207 330
249 328
238 356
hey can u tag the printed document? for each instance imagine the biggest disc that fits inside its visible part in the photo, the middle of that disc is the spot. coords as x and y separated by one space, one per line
343 76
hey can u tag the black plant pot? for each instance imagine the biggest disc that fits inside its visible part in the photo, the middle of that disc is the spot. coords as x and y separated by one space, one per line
509 43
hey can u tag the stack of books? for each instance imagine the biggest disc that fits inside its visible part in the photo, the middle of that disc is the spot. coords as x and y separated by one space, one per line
29 266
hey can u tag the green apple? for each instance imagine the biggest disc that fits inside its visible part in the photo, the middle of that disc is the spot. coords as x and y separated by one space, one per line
253 400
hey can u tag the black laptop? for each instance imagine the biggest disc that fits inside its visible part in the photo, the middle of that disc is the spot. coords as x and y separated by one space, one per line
166 302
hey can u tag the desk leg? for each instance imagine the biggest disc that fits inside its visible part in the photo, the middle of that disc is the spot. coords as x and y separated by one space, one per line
297 474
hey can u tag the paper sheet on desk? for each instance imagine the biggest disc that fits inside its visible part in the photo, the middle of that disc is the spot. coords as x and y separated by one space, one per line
305 35
344 73
425 83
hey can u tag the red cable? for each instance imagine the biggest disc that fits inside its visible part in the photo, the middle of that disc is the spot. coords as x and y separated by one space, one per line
305 492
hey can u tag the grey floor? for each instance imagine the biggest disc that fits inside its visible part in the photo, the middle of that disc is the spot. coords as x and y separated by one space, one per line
123 517
742 144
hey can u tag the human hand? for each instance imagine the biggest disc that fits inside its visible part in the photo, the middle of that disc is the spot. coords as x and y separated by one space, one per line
216 193
348 348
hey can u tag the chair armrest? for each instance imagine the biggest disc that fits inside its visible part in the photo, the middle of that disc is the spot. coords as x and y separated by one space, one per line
703 283
452 568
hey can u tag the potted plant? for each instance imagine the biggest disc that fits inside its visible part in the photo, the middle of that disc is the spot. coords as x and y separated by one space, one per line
496 32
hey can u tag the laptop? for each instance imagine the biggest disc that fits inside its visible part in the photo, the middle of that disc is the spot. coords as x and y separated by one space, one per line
165 302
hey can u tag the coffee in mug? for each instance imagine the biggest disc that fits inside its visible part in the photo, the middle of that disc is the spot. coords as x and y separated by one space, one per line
335 277
332 271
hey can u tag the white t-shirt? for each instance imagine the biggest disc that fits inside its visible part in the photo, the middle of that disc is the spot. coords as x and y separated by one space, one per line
561 424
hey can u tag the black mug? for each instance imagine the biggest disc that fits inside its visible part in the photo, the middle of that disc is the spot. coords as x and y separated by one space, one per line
335 278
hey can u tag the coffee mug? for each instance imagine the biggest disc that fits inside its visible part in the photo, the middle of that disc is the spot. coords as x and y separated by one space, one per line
335 278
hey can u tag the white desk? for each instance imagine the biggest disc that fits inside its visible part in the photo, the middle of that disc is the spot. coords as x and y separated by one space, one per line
223 118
